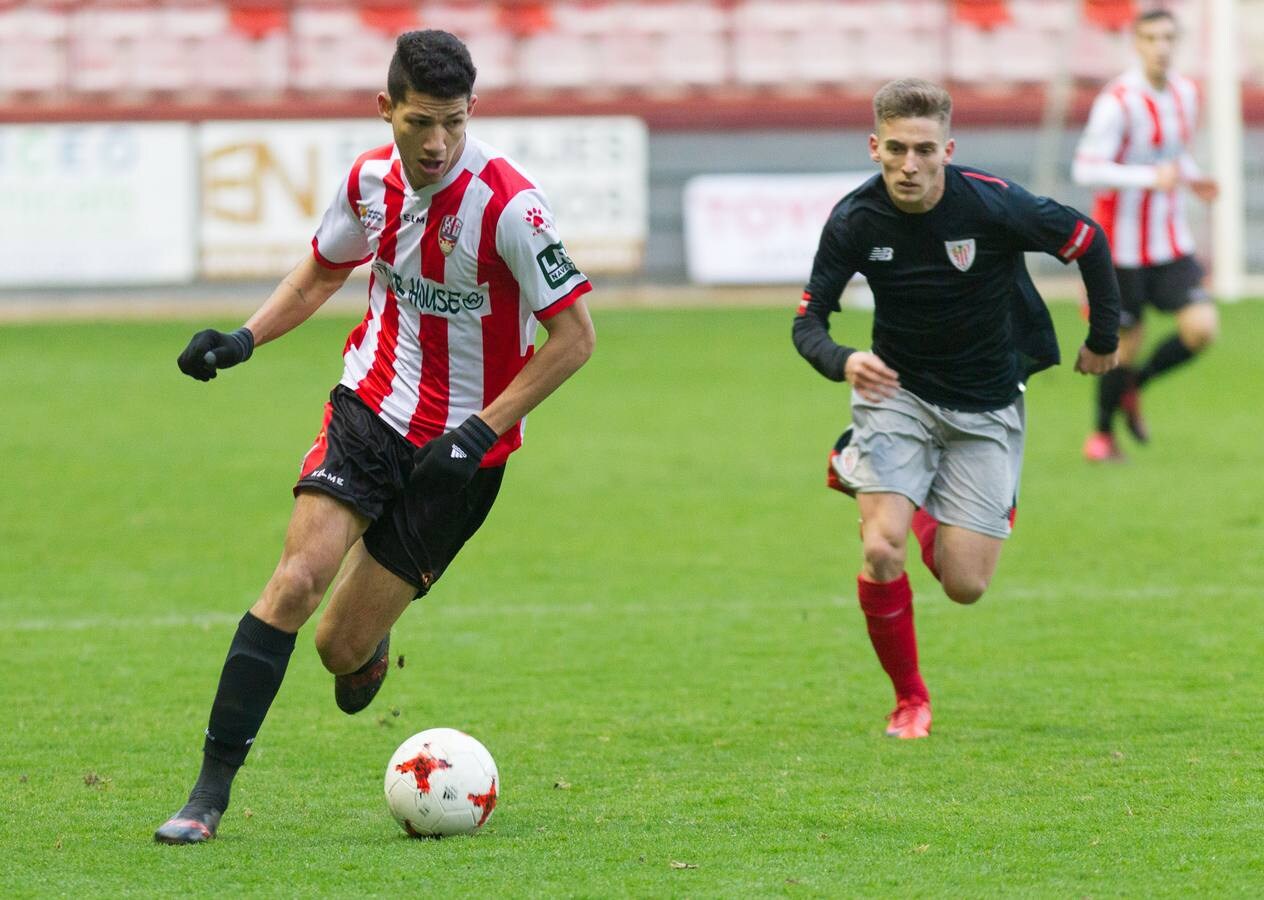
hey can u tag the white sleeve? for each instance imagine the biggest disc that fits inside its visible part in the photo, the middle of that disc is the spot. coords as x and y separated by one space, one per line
528 242
1190 169
340 241
1100 143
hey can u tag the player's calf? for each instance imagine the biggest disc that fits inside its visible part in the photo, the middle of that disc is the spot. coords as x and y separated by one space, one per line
356 690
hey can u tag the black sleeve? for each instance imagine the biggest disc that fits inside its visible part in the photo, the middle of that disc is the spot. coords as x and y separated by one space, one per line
1042 224
831 270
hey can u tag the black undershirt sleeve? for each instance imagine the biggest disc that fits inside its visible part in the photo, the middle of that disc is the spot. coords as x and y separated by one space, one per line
831 270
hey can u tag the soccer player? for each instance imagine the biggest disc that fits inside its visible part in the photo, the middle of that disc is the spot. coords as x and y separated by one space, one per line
438 376
1136 150
936 440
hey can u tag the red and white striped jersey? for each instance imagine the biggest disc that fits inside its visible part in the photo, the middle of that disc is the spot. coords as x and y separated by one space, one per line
462 272
1133 128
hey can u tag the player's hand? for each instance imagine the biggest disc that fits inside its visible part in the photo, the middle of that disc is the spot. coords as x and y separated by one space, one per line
871 377
1090 363
446 464
1205 189
211 350
1166 176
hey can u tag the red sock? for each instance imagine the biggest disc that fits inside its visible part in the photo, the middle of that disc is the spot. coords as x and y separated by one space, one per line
925 527
888 609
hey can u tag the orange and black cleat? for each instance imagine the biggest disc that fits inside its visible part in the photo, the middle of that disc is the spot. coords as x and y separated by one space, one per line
192 825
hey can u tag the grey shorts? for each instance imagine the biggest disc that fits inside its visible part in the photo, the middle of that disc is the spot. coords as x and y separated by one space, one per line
962 467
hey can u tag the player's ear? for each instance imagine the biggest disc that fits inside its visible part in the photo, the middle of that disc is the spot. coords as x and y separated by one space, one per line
873 148
384 106
469 107
948 148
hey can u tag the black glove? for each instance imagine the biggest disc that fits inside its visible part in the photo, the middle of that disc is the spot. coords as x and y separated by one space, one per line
446 464
210 350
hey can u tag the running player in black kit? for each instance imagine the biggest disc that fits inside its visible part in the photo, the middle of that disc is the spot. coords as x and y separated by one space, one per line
937 431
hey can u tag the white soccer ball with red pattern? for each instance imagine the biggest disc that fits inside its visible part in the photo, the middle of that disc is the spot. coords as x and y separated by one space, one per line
440 782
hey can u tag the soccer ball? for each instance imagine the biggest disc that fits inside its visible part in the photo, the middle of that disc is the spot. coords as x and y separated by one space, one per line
440 782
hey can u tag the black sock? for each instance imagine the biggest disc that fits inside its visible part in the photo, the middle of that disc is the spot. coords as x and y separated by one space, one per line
1110 387
213 786
1168 355
252 675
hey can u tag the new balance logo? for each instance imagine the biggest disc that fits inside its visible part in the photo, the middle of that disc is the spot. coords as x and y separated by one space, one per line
458 453
881 254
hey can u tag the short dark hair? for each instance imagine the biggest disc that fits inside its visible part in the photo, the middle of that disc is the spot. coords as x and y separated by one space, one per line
430 62
1153 15
912 98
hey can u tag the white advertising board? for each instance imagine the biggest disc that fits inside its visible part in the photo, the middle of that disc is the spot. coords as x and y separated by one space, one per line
96 204
266 184
758 229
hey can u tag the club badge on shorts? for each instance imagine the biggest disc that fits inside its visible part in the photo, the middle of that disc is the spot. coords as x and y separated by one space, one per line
449 231
961 253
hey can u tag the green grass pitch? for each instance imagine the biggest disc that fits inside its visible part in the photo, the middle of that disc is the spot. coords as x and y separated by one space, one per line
656 634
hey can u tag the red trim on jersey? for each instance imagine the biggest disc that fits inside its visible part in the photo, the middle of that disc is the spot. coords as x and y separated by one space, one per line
1105 207
353 180
376 383
1173 243
978 177
1080 239
444 203
569 300
1144 225
316 455
505 181
1156 124
330 264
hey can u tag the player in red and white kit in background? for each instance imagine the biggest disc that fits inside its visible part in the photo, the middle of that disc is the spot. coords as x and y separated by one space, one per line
437 379
1136 150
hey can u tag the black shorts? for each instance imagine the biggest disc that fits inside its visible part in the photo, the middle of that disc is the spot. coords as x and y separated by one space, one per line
361 461
1167 287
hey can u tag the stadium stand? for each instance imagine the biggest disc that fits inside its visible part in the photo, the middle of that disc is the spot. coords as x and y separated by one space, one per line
676 62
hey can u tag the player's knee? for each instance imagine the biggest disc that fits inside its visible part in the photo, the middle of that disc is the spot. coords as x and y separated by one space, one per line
295 589
1200 336
964 588
884 557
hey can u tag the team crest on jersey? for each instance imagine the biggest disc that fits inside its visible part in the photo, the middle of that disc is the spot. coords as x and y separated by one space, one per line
449 231
961 253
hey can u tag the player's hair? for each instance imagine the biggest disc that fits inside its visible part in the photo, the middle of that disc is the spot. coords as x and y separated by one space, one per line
912 98
430 62
1153 15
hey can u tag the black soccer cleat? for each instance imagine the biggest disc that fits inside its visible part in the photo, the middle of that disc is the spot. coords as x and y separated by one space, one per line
355 691
195 824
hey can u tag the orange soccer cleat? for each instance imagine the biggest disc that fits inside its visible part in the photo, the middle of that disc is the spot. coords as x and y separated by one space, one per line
1101 447
910 719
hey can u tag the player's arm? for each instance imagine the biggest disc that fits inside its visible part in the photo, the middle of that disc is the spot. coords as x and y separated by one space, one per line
528 243
831 270
569 345
300 293
448 462
304 290
1042 224
1099 146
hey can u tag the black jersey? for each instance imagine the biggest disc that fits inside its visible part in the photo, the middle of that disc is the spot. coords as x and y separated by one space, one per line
955 312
